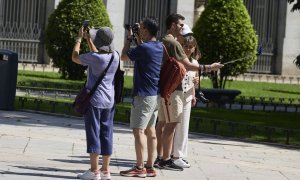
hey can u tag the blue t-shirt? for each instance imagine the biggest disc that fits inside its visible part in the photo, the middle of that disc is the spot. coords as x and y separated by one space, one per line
105 92
147 59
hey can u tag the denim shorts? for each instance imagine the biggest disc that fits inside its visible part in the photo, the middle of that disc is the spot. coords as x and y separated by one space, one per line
99 130
144 112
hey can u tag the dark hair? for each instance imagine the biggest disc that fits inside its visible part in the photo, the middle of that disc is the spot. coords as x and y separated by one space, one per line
173 18
191 40
151 24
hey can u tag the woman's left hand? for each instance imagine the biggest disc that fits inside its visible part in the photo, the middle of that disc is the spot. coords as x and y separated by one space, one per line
194 102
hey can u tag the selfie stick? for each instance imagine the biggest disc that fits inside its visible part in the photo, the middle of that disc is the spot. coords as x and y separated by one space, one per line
236 60
259 51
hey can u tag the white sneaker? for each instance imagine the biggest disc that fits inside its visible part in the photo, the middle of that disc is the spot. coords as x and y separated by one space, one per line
105 175
89 175
179 162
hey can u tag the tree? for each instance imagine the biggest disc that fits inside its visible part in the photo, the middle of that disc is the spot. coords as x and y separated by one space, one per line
62 30
225 29
296 5
297 61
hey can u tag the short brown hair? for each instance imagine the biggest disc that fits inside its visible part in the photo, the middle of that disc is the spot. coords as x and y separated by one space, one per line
173 18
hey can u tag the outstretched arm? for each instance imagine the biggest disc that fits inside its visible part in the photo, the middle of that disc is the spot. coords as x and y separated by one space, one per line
196 67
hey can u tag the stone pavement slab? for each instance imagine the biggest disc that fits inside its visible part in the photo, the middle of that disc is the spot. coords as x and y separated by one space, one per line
38 146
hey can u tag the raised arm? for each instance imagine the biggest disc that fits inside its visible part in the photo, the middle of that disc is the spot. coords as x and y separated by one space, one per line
76 49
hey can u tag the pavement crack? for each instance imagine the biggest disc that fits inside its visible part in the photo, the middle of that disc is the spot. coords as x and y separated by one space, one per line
73 145
283 175
24 150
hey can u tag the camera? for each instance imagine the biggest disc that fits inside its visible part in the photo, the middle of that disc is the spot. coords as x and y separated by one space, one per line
202 98
134 27
85 25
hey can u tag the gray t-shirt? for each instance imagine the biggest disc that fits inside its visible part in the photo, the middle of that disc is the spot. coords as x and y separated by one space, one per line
96 62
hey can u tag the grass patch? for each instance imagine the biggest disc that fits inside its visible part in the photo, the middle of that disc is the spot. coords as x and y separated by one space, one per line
260 89
232 123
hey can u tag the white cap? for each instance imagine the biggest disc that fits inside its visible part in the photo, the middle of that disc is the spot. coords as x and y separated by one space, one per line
186 30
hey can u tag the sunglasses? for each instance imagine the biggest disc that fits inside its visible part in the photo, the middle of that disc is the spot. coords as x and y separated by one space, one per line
181 25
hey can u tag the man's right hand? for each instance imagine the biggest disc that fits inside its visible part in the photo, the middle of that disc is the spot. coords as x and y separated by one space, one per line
216 66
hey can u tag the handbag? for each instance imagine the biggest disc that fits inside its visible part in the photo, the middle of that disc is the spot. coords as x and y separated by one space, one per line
82 100
171 75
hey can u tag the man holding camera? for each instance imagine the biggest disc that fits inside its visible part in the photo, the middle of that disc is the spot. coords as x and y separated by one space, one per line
147 57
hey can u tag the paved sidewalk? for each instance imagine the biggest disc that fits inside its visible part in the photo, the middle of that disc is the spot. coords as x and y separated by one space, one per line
37 147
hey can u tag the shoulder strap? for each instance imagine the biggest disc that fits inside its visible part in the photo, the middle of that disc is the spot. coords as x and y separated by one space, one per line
101 76
165 50
119 60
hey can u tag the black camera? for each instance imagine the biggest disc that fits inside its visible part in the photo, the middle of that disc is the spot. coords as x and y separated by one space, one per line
135 28
85 25
202 98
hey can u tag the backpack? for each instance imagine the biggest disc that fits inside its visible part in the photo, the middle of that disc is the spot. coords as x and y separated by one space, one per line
171 75
119 84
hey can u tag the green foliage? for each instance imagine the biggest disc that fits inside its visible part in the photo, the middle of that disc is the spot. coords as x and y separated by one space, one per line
296 5
225 29
297 61
63 27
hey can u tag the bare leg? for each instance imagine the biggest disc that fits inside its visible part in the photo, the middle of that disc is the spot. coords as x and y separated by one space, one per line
151 145
167 139
105 163
159 131
140 138
94 158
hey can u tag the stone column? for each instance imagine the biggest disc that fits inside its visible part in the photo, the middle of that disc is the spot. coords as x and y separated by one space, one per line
116 12
50 7
186 8
290 43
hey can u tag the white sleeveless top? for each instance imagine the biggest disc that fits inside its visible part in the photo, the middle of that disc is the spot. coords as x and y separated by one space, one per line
187 83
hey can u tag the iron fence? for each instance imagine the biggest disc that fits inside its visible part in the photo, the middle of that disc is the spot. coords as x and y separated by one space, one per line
138 9
22 24
264 16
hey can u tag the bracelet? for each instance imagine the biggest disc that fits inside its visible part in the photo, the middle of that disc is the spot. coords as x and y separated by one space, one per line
209 68
78 40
